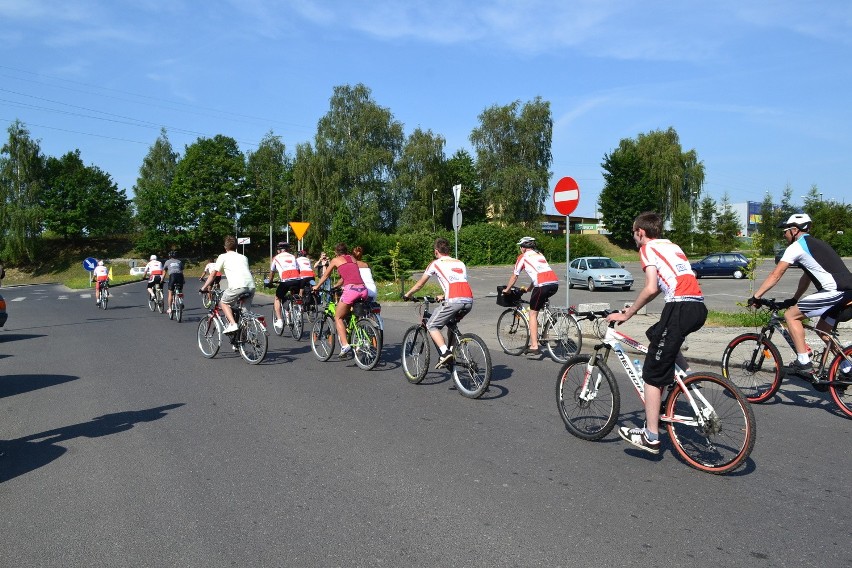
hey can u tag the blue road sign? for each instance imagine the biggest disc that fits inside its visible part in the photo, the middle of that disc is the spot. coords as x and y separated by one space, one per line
90 264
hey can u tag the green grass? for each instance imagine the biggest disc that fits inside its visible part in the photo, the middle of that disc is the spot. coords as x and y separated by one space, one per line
737 319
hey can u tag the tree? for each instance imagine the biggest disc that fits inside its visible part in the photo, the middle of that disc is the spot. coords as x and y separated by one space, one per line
682 224
728 226
21 181
318 182
705 237
273 202
462 171
625 193
80 201
830 221
152 191
421 181
769 219
513 159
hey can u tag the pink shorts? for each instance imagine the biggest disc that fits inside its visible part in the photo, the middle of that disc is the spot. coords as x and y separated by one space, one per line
352 293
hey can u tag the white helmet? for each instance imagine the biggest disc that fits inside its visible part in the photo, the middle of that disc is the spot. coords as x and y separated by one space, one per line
526 242
801 221
100 263
153 257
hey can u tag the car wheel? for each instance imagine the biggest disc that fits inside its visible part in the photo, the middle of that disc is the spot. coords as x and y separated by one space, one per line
570 284
591 285
627 288
738 274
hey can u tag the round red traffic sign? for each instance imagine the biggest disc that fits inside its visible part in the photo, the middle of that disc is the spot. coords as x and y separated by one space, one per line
566 195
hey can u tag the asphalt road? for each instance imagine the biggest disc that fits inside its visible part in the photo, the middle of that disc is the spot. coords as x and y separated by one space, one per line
122 446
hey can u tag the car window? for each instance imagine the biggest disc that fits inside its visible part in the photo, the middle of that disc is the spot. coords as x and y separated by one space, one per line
575 264
711 260
582 265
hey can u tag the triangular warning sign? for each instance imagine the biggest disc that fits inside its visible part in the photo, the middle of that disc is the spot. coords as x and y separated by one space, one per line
300 228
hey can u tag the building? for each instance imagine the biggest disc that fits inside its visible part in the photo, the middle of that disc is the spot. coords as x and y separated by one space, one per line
748 214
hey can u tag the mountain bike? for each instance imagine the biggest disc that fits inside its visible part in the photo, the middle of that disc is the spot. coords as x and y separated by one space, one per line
291 312
470 366
709 421
558 331
251 338
363 337
156 303
103 299
207 300
176 306
753 362
312 303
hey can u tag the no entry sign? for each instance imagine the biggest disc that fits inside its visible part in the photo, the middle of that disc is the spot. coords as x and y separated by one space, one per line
566 195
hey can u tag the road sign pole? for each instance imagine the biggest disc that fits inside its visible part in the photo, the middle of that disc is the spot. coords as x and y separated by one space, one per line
566 196
567 260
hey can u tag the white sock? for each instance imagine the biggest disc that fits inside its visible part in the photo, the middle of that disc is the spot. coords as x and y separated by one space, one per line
804 358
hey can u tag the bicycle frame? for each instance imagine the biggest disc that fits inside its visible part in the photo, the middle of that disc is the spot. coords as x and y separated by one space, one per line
831 345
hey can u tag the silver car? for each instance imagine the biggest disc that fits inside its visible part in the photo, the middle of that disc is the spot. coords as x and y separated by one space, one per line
595 272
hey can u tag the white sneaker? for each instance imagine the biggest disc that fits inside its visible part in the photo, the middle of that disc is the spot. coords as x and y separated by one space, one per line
278 323
231 328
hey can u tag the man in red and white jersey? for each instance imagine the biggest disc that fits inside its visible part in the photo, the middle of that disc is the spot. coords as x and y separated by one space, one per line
306 269
288 279
154 268
101 276
544 282
668 270
458 297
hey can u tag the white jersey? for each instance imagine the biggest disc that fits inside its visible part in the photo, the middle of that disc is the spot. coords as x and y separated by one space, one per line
367 277
236 269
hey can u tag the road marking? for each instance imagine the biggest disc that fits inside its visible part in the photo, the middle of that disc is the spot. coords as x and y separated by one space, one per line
19 299
62 298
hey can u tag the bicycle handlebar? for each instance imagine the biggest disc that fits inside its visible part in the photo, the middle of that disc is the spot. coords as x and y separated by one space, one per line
770 303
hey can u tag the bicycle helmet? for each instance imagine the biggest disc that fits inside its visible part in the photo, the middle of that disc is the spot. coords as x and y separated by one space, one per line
100 263
801 221
526 242
283 245
172 254
153 257
303 253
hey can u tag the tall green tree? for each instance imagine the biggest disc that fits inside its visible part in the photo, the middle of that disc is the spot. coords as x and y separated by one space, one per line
705 235
682 225
269 181
421 181
461 170
728 226
21 181
317 182
626 192
82 201
513 158
769 219
152 193
832 221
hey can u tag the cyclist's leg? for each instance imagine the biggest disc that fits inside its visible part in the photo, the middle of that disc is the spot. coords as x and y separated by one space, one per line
538 299
341 314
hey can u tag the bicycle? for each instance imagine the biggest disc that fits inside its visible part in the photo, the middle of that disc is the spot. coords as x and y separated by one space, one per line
558 330
156 302
470 367
207 299
176 306
312 304
103 299
251 338
291 312
754 363
709 421
363 337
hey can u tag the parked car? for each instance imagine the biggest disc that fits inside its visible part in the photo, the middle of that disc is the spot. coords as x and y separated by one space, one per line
596 272
721 264
3 314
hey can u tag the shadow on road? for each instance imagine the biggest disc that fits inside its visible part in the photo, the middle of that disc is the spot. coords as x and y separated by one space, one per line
11 385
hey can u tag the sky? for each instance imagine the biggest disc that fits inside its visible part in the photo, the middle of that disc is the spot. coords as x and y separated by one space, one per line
759 89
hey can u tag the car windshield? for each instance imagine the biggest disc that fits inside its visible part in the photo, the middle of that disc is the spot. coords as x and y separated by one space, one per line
602 263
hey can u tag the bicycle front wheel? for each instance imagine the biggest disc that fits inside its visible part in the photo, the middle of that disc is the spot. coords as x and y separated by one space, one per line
754 366
366 344
209 336
471 367
322 338
253 341
587 397
513 332
415 354
841 391
561 337
207 300
715 436
297 324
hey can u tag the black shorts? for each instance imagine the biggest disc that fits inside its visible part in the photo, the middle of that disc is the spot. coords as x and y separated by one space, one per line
176 280
293 286
158 280
540 294
666 337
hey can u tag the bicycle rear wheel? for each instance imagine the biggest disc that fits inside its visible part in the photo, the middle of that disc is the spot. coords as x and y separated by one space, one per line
209 336
322 338
179 309
172 309
159 296
720 436
279 326
253 340
366 344
587 397
513 332
297 323
207 300
841 392
753 366
415 354
152 302
561 336
471 366
310 306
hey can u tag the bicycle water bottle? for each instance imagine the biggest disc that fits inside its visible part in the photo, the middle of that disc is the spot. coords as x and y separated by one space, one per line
638 367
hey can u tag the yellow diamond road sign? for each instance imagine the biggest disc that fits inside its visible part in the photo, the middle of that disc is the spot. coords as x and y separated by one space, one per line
299 228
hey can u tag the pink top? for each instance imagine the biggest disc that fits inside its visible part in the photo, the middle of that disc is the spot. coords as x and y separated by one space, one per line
349 272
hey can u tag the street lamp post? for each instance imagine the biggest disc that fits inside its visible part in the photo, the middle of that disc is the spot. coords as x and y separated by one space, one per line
236 213
434 191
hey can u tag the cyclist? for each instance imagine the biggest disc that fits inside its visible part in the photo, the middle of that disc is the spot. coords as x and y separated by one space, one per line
306 270
366 274
353 290
174 267
457 299
240 281
544 282
210 268
668 270
101 276
821 265
154 268
288 278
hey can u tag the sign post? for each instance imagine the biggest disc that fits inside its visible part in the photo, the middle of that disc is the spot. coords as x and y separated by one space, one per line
566 197
89 265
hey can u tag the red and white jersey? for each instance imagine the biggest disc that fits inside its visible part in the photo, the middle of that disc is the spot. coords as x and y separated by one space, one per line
285 264
306 270
101 273
536 266
211 269
154 268
674 274
452 275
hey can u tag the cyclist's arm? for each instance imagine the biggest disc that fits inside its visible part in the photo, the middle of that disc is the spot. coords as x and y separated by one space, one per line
327 272
772 279
417 285
209 281
804 284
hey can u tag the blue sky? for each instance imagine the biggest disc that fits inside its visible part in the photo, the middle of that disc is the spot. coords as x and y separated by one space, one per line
760 89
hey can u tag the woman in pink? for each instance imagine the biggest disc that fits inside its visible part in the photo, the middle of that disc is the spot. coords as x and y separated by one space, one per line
353 290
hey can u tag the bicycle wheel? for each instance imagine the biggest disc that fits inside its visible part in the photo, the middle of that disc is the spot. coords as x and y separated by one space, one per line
152 302
322 338
310 306
719 437
297 323
279 326
365 343
841 393
179 309
561 336
209 336
471 366
599 326
172 309
415 354
377 321
755 368
207 300
253 340
160 307
588 398
104 298
513 332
